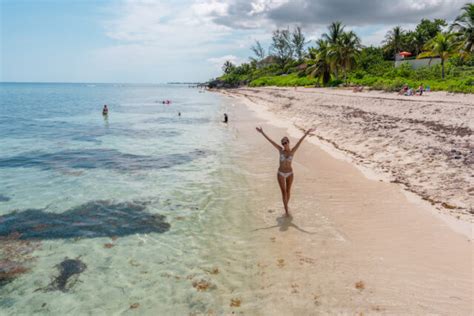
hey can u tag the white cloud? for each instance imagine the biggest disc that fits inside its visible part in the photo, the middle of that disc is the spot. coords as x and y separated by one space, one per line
164 37
217 62
167 37
163 24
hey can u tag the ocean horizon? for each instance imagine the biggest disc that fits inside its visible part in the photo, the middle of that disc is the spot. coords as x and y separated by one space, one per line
101 83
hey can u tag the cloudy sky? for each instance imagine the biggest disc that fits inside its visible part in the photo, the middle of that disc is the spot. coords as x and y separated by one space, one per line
177 40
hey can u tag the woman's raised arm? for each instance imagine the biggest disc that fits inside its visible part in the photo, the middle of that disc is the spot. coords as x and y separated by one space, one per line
260 130
301 139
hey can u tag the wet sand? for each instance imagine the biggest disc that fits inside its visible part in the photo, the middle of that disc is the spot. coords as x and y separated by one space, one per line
353 245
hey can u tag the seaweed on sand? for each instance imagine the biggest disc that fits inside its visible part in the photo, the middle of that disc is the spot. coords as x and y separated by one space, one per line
15 257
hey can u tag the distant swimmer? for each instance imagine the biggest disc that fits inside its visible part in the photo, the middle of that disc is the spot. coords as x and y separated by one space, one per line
285 171
179 113
226 118
105 110
166 102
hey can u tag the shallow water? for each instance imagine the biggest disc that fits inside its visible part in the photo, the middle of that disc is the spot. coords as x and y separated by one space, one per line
148 203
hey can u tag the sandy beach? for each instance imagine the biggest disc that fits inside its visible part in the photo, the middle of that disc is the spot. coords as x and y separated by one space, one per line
422 143
356 244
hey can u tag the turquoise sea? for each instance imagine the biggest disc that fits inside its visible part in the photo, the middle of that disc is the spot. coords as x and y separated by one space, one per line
140 211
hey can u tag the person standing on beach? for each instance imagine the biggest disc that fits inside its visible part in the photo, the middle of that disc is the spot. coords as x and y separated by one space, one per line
226 118
285 171
420 89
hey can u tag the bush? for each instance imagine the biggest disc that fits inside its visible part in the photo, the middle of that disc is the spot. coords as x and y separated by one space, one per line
460 62
359 74
282 81
384 76
404 71
464 85
291 67
334 83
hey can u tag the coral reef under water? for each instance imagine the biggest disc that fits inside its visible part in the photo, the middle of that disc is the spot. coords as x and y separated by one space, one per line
90 220
15 257
69 271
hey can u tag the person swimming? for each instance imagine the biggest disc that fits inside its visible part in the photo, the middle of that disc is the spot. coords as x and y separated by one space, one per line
226 118
105 110
285 171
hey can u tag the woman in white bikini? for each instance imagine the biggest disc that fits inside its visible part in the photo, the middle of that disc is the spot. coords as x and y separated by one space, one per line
285 172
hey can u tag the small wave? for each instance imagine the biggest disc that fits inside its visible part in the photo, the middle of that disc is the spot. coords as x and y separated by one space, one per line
97 158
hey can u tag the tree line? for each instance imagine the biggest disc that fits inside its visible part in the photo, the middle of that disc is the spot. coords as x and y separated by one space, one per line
339 50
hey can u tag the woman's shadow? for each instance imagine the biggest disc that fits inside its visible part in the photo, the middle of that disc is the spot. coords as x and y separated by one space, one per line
284 222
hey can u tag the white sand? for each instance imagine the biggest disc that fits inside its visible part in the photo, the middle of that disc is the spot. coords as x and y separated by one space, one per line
354 245
423 143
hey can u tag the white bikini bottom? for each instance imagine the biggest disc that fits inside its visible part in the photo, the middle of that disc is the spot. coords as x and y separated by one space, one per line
285 174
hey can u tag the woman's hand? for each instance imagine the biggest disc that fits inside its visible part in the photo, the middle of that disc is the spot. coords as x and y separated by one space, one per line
309 131
259 129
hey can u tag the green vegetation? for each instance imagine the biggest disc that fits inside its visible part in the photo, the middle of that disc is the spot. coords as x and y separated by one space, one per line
283 81
338 58
463 27
442 46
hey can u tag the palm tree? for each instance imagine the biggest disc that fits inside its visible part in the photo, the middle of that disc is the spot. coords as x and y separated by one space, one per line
416 40
463 25
321 66
442 46
335 30
333 38
228 67
348 49
394 39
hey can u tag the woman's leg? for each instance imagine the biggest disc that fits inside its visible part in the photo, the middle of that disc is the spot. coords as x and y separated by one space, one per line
289 182
282 183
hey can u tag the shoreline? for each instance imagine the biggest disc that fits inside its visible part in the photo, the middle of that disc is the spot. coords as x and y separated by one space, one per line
345 250
271 108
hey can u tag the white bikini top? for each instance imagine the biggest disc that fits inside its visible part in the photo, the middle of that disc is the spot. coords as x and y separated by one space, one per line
287 158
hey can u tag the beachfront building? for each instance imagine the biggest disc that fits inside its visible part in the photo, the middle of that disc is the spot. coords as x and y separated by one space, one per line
415 63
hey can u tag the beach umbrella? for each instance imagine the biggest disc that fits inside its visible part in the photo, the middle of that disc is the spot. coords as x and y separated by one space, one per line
404 54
